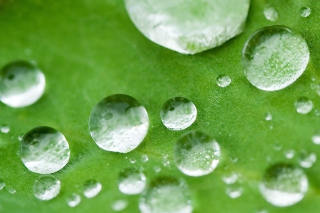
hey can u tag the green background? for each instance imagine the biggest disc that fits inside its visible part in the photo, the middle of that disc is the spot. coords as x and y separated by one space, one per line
89 49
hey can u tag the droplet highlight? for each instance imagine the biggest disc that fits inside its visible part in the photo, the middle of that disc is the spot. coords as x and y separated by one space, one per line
73 200
46 187
223 80
303 105
91 188
131 181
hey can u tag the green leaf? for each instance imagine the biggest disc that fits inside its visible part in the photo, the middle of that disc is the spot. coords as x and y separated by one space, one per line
90 49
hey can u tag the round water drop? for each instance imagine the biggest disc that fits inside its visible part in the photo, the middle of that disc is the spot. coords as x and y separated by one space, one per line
316 139
11 190
306 159
289 154
188 26
283 185
178 113
5 129
46 187
274 57
270 13
119 205
157 169
234 190
268 116
230 178
131 181
21 84
166 195
73 200
196 153
305 12
144 158
2 184
44 150
91 188
118 123
223 80
303 105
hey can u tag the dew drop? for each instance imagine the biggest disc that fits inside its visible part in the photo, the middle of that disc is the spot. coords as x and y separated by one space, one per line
188 26
144 158
196 153
270 13
119 205
5 129
125 130
166 194
234 190
44 150
157 169
91 188
20 137
131 181
268 116
274 57
73 200
10 189
21 84
133 161
307 159
316 139
230 178
178 113
283 185
46 187
303 105
305 12
223 80
289 154
2 184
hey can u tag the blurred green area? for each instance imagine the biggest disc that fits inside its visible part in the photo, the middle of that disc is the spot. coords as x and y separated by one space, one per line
90 49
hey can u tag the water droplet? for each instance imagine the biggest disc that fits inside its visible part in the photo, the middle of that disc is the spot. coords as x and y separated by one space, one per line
277 146
131 181
234 159
73 200
157 169
5 129
21 84
283 185
223 80
125 130
2 184
234 190
305 12
46 187
44 150
178 113
303 105
144 158
196 153
274 57
270 13
133 161
91 188
230 178
262 211
166 194
306 159
316 139
10 189
289 154
20 137
268 116
119 205
317 112
209 23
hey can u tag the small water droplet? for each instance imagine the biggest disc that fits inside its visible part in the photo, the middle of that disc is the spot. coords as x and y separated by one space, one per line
127 127
131 181
283 185
307 159
20 137
274 57
133 161
157 169
234 190
316 139
223 80
234 159
91 188
230 178
119 205
44 150
46 187
303 105
277 146
2 184
166 194
317 112
73 200
305 12
10 189
144 158
21 84
289 154
268 116
270 13
5 129
184 113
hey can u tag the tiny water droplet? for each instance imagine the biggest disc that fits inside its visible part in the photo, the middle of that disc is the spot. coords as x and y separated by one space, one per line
5 129
223 80
268 116
144 158
277 146
73 200
133 161
21 84
178 113
131 181
270 13
230 178
303 105
2 184
157 169
316 139
307 159
10 189
305 12
125 129
234 190
234 159
20 137
119 205
289 154
91 188
46 187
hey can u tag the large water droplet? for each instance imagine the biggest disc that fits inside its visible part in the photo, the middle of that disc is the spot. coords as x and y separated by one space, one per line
44 150
305 12
73 200
303 105
188 26
270 13
46 187
178 113
196 153
118 123
5 129
283 185
119 205
223 80
274 57
166 195
21 84
131 181
91 188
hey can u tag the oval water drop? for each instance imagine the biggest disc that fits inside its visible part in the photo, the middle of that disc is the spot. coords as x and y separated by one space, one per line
131 181
46 187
